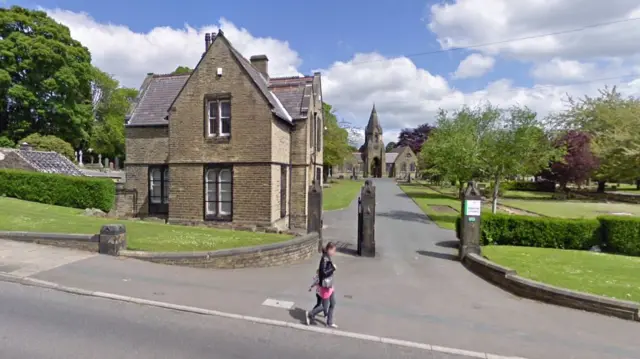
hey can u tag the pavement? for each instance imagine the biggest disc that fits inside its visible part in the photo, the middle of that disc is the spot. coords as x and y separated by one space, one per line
413 290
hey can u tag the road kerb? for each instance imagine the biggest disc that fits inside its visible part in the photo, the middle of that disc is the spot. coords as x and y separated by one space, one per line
265 321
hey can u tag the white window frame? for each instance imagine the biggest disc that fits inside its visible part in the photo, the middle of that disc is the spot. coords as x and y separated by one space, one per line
218 106
153 182
218 200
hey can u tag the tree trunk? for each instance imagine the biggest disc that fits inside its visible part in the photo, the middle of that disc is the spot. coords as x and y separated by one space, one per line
494 201
601 186
638 184
460 189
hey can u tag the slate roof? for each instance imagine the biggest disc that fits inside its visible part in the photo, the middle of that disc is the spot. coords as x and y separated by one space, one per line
390 157
294 93
398 149
48 162
289 96
156 95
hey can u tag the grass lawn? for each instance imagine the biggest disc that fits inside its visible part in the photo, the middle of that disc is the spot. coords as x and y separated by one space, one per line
17 215
340 194
597 273
572 209
434 204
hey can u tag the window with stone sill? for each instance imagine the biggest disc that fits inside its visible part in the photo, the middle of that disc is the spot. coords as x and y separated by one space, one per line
404 167
412 166
218 183
219 117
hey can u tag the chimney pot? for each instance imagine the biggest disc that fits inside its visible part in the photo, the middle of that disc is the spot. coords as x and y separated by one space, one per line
261 63
207 41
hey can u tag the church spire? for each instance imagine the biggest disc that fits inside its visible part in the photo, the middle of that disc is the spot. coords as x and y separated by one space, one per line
373 121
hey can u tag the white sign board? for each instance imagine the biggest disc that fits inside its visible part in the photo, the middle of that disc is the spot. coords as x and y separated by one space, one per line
472 207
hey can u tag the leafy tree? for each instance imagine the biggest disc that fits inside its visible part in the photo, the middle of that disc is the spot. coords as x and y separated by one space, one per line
182 70
512 143
50 143
578 163
45 78
336 139
453 148
414 137
6 142
390 146
111 105
609 119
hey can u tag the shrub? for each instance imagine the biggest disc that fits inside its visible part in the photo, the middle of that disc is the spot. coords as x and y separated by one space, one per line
6 142
67 191
540 186
50 143
621 234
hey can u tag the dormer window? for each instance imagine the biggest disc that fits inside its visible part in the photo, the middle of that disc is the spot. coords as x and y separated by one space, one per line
219 121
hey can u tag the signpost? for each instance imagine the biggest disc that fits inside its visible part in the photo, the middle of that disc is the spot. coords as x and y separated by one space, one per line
470 224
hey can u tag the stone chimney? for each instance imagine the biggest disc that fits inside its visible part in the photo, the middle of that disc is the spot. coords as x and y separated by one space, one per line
261 63
25 147
207 41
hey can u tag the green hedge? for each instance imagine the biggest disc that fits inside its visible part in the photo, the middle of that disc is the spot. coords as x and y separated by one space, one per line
621 234
67 191
540 186
613 234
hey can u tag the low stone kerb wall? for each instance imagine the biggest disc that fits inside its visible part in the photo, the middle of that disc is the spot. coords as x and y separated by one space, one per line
509 280
288 252
112 241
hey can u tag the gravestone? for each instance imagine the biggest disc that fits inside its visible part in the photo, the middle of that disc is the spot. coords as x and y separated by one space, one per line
106 163
117 163
470 223
80 158
314 218
367 213
100 160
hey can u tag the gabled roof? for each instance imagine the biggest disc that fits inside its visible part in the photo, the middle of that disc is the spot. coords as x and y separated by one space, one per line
47 162
156 95
390 157
294 93
398 149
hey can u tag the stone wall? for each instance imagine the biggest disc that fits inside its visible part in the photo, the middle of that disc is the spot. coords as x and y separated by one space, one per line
125 202
289 252
86 242
508 280
609 196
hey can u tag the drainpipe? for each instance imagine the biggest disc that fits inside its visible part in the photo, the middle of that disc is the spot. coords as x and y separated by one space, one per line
291 131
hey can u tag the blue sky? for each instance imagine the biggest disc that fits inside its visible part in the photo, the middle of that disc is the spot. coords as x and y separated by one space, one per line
130 38
331 32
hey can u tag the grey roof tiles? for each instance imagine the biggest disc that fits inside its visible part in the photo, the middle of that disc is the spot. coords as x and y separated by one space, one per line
48 162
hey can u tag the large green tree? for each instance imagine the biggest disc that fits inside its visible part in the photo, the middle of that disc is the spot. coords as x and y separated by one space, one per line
611 119
454 148
182 70
45 78
336 139
111 104
513 143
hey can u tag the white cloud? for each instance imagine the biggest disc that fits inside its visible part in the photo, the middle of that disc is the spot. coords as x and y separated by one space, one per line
461 23
130 55
405 95
474 65
559 70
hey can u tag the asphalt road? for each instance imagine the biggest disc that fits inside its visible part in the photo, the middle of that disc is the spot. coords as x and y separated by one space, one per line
39 323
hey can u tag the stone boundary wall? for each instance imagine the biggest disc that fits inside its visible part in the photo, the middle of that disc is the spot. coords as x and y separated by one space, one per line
87 242
288 252
267 255
510 281
611 196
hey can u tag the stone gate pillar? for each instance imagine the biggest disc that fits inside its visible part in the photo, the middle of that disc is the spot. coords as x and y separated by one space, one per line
314 216
367 241
470 222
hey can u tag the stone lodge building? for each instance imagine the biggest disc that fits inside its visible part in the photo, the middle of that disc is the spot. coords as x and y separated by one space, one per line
226 144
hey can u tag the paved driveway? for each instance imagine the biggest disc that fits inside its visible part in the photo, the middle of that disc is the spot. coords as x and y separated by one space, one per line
413 290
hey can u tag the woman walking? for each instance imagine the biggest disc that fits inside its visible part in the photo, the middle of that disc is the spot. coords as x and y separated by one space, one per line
325 280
